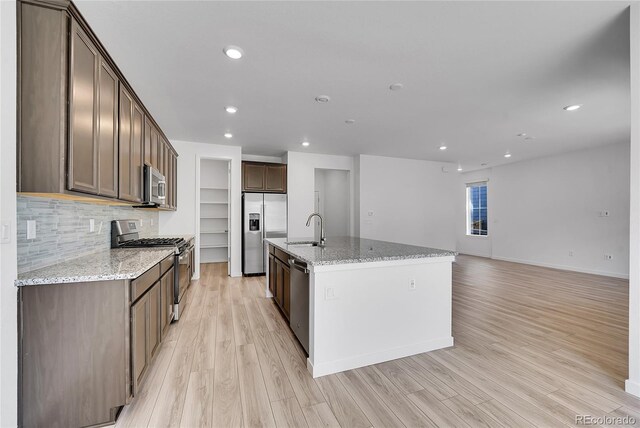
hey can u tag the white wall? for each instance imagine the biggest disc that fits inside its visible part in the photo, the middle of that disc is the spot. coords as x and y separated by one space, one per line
632 385
412 201
335 199
301 186
541 209
8 252
185 219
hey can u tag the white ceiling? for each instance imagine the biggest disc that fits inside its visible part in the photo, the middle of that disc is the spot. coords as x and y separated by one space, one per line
475 74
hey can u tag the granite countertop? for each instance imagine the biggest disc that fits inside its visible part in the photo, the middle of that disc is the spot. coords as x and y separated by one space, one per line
347 249
115 264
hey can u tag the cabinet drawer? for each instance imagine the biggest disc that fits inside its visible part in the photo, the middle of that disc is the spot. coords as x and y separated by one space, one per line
272 250
284 257
144 282
166 264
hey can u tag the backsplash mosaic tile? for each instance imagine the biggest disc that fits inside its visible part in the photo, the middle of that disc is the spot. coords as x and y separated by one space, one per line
62 229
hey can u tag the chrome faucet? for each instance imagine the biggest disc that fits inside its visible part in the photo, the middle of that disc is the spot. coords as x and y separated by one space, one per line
323 238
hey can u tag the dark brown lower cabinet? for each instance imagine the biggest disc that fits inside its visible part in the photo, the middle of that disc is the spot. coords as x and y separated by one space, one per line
166 300
145 332
74 353
279 281
272 274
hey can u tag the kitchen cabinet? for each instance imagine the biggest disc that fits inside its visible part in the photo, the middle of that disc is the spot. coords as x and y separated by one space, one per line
264 177
279 280
72 102
139 343
166 304
131 148
92 119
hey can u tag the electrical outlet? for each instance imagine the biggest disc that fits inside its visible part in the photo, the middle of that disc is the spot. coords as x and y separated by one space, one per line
31 229
92 225
608 257
329 294
605 213
370 213
412 284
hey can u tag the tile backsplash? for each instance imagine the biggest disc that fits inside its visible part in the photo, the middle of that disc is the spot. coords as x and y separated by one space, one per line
62 229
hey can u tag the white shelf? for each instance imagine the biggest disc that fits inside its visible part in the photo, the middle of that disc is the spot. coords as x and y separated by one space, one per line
213 218
213 246
213 231
213 188
215 203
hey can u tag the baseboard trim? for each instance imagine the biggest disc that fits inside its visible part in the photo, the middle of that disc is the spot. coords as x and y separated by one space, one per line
338 366
562 267
632 387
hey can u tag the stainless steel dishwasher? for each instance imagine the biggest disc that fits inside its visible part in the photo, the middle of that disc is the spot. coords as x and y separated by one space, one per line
299 312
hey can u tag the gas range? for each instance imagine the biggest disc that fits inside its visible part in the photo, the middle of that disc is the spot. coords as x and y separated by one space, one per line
125 234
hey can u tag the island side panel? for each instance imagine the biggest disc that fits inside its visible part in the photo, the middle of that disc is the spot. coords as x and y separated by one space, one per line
364 316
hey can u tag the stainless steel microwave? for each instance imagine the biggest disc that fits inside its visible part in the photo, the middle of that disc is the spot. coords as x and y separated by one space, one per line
155 186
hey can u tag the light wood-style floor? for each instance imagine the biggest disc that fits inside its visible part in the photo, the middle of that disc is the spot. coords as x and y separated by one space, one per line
534 347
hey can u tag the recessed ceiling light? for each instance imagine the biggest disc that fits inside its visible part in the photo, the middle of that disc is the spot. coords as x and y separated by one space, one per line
323 99
396 86
305 144
522 134
572 107
443 147
507 155
350 121
459 168
228 135
233 52
231 109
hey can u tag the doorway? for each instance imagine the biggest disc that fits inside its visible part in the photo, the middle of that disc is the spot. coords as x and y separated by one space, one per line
214 212
332 199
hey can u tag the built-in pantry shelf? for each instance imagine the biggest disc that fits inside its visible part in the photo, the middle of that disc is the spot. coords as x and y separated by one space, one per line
214 211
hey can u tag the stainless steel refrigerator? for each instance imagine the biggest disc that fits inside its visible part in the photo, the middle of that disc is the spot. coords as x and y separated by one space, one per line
264 215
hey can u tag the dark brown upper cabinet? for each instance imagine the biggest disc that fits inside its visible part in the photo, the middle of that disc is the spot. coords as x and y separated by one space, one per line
83 117
71 108
264 177
131 148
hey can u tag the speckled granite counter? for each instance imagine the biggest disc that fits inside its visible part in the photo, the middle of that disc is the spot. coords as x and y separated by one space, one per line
347 249
117 264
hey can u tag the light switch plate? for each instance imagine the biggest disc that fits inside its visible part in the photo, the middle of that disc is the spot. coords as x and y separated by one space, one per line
31 229
92 225
5 232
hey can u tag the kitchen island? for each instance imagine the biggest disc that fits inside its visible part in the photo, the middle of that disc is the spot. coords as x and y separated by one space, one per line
369 301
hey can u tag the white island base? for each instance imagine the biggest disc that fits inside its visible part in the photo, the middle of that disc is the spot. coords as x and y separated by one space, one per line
363 313
368 313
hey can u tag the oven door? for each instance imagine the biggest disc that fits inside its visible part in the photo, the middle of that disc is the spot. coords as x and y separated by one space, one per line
184 271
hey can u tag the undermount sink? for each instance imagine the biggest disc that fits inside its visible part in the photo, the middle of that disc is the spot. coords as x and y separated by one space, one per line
303 243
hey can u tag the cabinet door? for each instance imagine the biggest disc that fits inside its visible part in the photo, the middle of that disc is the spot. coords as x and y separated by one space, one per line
131 148
83 146
126 131
107 131
175 182
253 177
137 148
279 283
160 160
139 343
272 274
166 305
147 142
286 296
153 157
276 178
154 318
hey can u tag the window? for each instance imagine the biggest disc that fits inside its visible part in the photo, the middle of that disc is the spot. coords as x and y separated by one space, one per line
477 209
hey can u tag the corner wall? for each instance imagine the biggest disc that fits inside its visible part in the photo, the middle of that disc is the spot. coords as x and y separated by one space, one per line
184 221
301 187
542 210
407 201
8 251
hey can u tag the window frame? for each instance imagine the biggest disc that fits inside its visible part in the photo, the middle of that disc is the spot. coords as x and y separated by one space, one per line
468 187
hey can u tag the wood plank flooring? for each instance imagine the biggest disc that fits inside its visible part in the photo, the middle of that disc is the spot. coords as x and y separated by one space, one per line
534 347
